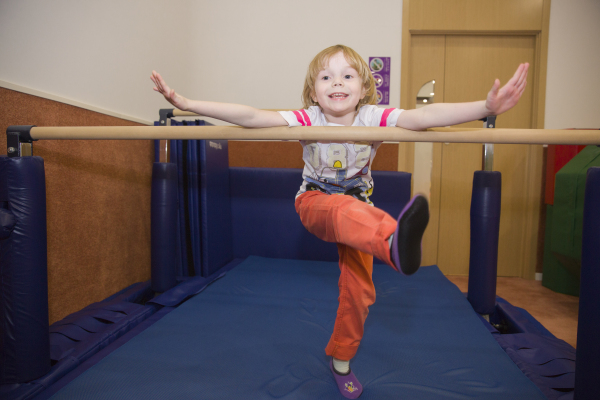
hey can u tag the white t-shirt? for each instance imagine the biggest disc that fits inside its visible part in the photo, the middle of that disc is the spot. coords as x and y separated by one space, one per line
340 167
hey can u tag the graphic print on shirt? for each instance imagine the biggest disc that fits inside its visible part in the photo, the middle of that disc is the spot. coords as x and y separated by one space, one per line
337 156
363 157
314 155
337 161
341 157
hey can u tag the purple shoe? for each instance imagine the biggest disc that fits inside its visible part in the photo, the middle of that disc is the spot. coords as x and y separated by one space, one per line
406 244
348 385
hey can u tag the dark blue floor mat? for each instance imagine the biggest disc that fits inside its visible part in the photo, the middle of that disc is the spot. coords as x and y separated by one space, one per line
260 333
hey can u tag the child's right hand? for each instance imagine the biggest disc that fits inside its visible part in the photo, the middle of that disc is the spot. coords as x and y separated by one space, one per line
170 95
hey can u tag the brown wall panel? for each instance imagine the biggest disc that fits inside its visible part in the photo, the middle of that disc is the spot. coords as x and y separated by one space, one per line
289 155
387 158
265 154
97 203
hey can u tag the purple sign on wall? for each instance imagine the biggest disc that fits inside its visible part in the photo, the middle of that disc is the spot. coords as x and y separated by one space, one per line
380 67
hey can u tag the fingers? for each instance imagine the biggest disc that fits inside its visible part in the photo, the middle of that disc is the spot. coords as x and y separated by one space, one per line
496 86
161 86
519 75
156 82
155 77
493 93
522 86
522 70
516 85
522 82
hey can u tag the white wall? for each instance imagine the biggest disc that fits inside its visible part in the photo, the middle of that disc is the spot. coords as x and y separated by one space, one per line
573 84
100 54
250 52
95 53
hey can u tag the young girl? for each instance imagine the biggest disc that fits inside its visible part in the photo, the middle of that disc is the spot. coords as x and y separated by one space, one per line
340 91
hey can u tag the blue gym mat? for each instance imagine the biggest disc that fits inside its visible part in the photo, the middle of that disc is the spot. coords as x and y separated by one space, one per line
260 333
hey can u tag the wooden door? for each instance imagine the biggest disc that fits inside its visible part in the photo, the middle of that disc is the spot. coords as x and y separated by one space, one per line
470 65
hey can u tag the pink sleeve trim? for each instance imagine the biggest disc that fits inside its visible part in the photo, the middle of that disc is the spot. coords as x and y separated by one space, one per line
385 115
306 117
299 118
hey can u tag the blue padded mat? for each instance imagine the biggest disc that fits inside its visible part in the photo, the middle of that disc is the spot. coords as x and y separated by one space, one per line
260 333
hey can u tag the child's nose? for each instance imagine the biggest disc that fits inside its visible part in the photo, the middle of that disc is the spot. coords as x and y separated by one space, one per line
338 82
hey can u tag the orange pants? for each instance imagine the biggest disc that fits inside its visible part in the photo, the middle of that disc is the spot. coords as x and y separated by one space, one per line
361 231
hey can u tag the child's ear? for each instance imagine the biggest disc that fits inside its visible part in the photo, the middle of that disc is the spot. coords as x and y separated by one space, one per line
313 96
364 93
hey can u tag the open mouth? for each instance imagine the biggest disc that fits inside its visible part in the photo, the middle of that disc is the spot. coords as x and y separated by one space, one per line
338 96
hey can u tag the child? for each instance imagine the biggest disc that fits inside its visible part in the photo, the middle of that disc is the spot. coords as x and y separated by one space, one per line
340 90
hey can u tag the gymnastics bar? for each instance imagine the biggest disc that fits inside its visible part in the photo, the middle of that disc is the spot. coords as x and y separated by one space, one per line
26 134
174 112
167 113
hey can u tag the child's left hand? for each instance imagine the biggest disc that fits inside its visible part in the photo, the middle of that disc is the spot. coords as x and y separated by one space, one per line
502 100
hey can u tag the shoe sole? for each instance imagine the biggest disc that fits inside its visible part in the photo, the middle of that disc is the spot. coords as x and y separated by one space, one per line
406 245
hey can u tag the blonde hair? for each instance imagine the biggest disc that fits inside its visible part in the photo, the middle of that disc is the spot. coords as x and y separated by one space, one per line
319 63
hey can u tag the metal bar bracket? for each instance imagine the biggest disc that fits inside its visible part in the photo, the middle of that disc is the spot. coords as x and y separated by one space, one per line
164 115
18 141
488 148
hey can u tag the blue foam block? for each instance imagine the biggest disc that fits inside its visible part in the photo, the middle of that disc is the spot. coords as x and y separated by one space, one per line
265 222
24 342
215 206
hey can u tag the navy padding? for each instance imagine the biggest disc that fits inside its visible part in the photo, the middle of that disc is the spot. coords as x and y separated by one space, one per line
517 319
588 346
7 222
260 332
175 151
265 222
24 339
184 257
391 191
164 226
217 247
185 154
485 231
52 383
547 361
191 287
193 206
72 338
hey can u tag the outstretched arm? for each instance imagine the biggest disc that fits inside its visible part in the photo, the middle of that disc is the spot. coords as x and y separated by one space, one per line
238 114
499 100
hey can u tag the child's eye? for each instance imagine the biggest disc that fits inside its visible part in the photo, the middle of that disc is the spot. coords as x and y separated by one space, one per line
325 78
348 76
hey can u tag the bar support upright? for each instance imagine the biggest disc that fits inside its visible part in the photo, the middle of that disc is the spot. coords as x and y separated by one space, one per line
587 367
485 232
164 215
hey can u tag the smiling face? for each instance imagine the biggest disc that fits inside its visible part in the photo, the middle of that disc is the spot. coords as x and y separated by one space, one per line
338 89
